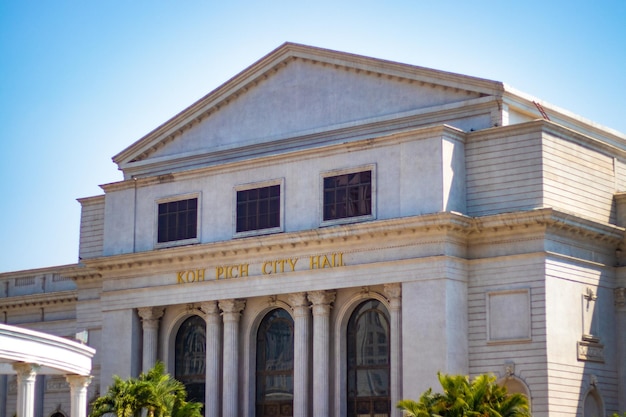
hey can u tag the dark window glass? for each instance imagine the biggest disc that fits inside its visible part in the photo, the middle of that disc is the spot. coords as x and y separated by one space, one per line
178 220
191 357
274 365
258 208
368 361
348 195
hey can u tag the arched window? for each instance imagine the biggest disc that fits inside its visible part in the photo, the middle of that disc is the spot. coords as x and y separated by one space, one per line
274 365
191 357
368 361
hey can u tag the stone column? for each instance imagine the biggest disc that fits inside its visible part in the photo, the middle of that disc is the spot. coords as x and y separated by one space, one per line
231 312
78 392
301 314
394 295
321 301
213 356
150 322
620 336
26 376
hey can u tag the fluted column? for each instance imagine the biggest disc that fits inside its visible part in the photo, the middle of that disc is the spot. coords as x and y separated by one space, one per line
394 295
150 317
26 376
321 301
213 356
78 392
301 314
620 307
231 312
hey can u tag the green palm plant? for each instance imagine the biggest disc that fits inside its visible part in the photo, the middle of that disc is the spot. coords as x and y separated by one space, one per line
123 399
155 391
482 397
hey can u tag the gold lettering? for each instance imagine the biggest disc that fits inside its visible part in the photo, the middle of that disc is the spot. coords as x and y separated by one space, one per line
200 274
193 276
315 262
266 263
292 263
325 261
243 270
179 277
337 259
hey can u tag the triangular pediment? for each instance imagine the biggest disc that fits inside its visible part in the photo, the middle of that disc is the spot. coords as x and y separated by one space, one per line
297 94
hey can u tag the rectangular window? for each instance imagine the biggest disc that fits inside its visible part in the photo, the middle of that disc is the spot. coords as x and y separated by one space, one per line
348 195
258 208
178 220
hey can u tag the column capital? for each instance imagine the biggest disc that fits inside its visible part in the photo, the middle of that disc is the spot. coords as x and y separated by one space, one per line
78 381
393 292
150 315
26 370
210 310
299 303
620 297
232 308
322 301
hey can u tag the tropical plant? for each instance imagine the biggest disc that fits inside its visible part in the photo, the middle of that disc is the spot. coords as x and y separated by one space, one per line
481 397
155 391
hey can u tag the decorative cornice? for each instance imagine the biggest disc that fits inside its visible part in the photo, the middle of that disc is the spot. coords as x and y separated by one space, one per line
43 299
444 226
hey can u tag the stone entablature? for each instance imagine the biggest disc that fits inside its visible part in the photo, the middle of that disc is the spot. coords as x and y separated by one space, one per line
455 229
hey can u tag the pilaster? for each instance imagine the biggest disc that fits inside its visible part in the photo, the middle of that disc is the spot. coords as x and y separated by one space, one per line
150 317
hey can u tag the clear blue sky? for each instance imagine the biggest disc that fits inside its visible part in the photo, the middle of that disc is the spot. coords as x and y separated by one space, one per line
82 80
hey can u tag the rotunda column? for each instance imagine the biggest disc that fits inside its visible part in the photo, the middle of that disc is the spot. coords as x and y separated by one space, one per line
150 323
321 301
26 376
301 314
231 312
620 336
213 356
394 295
78 392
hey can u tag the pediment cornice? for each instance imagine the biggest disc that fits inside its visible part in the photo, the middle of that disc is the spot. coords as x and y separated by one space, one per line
278 59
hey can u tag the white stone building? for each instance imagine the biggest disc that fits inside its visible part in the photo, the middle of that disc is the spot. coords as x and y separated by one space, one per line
324 232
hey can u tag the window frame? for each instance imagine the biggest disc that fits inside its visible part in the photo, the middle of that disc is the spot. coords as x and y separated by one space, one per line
181 242
347 171
281 216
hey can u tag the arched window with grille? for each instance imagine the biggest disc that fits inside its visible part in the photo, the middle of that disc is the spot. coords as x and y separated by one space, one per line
368 361
274 365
